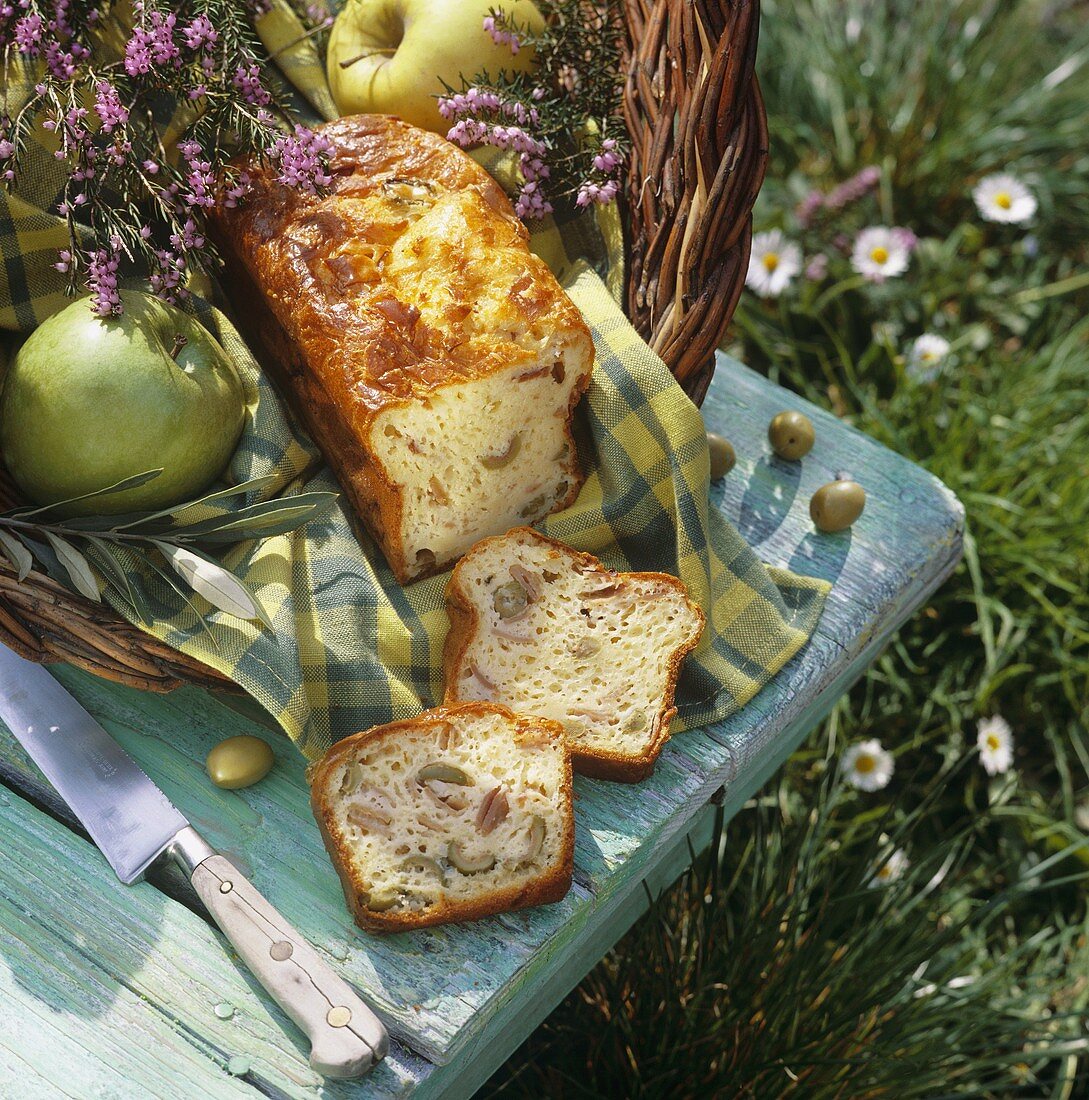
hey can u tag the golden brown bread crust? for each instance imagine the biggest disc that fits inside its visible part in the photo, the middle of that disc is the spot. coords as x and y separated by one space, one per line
305 275
547 889
598 763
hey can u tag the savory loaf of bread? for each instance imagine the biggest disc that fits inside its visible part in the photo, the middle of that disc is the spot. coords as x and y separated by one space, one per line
547 630
435 359
461 812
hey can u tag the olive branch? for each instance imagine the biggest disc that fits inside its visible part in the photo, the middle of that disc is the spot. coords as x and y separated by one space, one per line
94 553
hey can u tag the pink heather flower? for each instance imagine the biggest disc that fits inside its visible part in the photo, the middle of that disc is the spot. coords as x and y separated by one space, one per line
247 79
601 193
152 45
301 158
6 149
817 268
807 209
236 193
170 271
853 189
28 34
199 33
500 35
102 279
531 201
109 107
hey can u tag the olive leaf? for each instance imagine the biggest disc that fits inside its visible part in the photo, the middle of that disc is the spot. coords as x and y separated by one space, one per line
76 566
118 487
221 588
103 555
19 556
172 516
40 534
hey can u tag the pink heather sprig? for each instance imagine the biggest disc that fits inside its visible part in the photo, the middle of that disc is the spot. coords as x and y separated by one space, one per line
102 279
109 108
139 202
200 34
482 117
846 193
496 25
152 43
247 79
301 159
563 122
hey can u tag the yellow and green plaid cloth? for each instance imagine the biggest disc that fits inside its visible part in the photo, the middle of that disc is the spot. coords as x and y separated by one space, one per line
351 647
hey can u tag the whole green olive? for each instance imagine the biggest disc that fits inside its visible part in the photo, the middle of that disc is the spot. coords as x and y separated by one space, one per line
723 457
239 762
791 435
837 505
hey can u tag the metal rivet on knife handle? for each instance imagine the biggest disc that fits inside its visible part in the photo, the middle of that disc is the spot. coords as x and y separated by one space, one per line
281 950
226 887
339 1016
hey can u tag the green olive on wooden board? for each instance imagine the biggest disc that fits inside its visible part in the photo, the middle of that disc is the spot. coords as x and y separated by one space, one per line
837 505
791 435
239 762
723 457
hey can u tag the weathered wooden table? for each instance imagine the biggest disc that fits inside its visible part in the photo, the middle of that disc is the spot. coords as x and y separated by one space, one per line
108 991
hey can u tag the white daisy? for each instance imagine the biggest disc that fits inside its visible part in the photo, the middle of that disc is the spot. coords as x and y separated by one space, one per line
926 355
1004 198
867 766
773 263
995 743
890 869
881 252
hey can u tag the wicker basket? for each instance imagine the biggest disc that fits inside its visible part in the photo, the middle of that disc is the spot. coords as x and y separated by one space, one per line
699 147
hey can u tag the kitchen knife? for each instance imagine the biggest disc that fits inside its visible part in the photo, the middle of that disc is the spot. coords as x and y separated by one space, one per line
135 825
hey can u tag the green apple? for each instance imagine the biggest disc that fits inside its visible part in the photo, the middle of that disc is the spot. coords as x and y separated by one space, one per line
90 401
390 57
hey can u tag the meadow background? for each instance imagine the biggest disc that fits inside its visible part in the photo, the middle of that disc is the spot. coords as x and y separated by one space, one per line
777 966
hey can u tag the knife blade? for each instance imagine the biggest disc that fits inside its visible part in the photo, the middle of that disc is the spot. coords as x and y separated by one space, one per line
134 824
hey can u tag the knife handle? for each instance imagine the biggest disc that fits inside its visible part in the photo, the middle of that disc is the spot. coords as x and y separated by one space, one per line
346 1038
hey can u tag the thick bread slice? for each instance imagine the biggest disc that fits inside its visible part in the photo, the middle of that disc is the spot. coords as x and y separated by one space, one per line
548 630
435 360
459 813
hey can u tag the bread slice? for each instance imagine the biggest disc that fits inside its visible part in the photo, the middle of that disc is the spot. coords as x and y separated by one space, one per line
461 812
435 360
550 631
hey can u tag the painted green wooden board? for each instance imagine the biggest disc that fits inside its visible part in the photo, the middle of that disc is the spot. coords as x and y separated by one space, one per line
463 997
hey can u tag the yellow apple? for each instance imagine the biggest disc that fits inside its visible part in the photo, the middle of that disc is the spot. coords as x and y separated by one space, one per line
391 57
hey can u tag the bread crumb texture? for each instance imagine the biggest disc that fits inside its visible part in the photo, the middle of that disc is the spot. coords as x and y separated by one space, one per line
553 633
460 812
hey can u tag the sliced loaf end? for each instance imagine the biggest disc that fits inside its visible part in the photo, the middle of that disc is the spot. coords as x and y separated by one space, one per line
461 812
548 630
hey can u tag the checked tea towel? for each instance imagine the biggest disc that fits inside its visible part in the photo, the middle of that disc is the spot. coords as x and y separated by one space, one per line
350 647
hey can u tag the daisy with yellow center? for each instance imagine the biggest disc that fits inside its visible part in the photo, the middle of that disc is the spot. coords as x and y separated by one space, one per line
867 766
995 741
1004 198
882 252
773 264
927 354
891 868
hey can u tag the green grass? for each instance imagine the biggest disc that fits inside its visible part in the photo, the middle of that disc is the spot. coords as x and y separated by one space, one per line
824 1000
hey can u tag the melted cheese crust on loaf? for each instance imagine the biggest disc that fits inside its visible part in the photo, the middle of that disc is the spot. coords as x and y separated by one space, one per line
435 359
